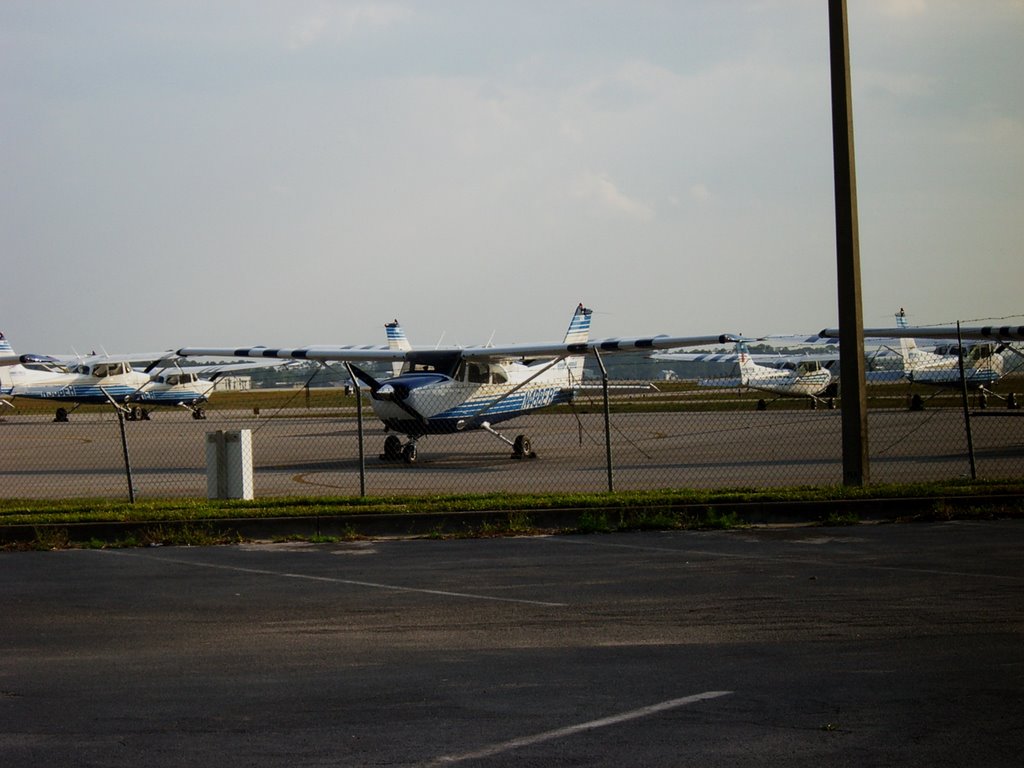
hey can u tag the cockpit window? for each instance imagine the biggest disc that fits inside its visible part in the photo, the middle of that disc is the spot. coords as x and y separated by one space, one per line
102 370
431 362
481 372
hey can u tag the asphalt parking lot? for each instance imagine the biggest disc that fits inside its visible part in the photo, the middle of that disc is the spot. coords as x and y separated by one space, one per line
864 645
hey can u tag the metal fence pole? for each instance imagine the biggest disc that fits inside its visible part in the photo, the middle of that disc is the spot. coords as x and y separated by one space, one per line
607 419
359 428
965 402
127 463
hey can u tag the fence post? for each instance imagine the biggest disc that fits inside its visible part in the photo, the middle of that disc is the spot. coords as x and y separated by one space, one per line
851 329
964 400
359 428
127 462
607 419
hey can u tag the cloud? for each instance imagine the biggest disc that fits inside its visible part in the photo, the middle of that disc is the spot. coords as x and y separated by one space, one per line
901 9
335 23
600 192
699 192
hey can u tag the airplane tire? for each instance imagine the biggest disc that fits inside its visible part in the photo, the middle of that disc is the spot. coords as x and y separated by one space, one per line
409 453
762 405
61 415
198 413
521 447
392 448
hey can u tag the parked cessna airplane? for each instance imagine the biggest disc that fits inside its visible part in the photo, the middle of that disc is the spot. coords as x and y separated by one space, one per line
109 380
446 390
983 361
940 366
788 376
7 358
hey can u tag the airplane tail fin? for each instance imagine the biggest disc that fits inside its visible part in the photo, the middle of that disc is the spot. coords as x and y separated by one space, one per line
578 333
907 346
7 357
745 362
396 340
396 336
579 326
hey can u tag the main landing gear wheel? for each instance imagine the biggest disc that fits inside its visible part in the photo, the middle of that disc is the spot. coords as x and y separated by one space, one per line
61 415
392 448
521 448
409 453
198 414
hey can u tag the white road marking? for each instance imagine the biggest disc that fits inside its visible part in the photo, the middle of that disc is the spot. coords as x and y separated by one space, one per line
558 733
333 580
789 560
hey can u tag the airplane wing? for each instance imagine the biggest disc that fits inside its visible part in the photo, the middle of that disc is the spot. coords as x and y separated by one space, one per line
697 357
761 358
979 332
217 369
355 353
144 358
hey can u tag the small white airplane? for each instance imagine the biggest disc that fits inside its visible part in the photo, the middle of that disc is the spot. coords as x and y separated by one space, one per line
7 359
109 380
448 390
940 366
983 361
786 376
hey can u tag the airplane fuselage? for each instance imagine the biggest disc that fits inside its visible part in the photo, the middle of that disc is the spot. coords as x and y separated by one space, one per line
431 402
787 383
121 387
982 366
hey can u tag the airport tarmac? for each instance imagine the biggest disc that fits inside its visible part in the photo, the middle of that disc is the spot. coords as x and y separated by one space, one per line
865 645
302 453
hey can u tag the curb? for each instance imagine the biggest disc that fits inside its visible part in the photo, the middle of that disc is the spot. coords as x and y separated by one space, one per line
497 522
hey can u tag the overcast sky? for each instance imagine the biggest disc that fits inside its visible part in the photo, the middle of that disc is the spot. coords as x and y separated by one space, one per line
193 172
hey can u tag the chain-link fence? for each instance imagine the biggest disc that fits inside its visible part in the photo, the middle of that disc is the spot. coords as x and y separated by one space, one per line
653 435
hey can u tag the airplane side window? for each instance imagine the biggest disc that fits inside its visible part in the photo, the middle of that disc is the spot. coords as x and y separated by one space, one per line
478 373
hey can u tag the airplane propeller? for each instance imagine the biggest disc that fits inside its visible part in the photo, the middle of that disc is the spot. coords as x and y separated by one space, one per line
392 392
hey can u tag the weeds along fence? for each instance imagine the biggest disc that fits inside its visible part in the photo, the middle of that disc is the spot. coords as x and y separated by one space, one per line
654 435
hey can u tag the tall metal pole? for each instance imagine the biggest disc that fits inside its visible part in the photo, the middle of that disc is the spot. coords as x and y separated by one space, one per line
964 400
607 420
127 461
851 321
359 428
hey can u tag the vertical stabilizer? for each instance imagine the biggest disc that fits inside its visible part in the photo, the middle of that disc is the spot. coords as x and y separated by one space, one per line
578 333
908 347
579 326
398 341
7 358
746 364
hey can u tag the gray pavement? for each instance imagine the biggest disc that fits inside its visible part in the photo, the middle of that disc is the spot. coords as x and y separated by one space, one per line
867 645
316 454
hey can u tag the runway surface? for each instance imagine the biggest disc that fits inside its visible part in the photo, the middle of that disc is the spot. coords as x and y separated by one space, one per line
304 452
868 645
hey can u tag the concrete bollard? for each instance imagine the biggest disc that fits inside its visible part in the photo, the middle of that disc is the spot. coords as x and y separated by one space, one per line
229 464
